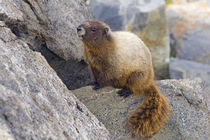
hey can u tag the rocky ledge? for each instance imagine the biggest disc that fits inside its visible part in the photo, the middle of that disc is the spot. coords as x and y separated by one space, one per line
189 118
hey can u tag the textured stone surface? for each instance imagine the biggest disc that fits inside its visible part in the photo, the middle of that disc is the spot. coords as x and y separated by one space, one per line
49 27
74 74
207 96
184 1
189 27
47 22
183 69
34 103
189 118
145 18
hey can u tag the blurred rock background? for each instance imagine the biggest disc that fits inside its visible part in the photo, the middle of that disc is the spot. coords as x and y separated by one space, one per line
189 29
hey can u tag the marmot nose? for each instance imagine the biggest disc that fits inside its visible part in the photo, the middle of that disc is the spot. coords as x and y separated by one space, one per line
79 28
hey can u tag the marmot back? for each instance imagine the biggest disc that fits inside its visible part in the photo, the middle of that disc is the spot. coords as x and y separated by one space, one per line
130 52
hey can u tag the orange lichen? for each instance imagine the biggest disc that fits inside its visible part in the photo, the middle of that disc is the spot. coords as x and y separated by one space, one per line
181 27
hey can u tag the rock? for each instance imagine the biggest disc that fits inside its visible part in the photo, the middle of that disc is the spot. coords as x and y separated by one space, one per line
5 133
207 95
47 22
74 74
49 27
34 103
182 1
189 27
146 19
189 118
184 69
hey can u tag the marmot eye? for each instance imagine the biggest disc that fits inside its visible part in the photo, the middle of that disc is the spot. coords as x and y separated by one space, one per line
93 29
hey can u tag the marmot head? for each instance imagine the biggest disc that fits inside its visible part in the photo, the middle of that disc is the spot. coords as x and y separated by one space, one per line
94 33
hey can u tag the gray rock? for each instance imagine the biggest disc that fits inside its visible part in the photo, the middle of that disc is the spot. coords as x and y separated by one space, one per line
189 27
189 118
47 22
184 1
34 103
207 95
74 74
5 132
49 27
184 69
187 1
145 18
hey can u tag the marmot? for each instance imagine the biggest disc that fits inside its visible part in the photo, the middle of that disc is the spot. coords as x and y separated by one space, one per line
120 59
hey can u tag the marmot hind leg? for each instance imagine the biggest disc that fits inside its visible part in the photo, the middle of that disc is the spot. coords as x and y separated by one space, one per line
138 81
124 92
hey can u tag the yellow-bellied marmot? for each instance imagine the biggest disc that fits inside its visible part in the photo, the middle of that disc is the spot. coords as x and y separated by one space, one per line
122 60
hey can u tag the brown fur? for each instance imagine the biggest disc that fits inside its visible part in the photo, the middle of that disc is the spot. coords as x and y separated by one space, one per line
113 63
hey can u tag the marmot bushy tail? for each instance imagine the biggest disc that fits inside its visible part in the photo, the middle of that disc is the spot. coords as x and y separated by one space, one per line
121 59
151 115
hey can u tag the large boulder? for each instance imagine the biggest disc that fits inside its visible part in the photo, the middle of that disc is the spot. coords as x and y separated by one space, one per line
34 103
189 110
189 26
50 22
49 27
146 19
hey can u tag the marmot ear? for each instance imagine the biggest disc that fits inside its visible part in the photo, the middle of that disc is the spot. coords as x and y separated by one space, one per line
106 30
107 33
